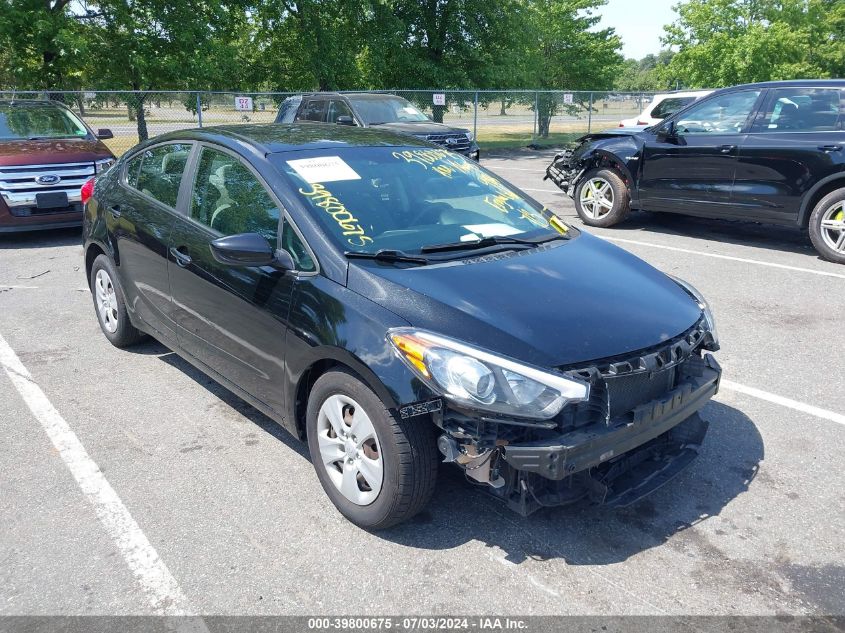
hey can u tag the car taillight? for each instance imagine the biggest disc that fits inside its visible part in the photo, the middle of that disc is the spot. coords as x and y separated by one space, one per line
642 122
87 190
621 125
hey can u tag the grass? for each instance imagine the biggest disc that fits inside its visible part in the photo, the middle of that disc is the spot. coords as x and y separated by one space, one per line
494 139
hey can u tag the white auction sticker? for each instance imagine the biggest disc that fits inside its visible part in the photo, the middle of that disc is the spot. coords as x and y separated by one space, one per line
323 169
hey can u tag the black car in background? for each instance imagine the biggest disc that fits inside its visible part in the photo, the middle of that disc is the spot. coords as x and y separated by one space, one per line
398 305
769 152
384 111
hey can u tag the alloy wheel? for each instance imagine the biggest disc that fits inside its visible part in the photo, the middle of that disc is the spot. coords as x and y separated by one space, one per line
596 198
106 300
833 226
349 449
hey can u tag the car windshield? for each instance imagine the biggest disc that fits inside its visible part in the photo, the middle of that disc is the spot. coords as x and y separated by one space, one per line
370 199
388 109
28 121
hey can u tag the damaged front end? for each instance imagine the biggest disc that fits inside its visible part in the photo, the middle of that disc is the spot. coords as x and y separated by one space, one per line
565 171
632 427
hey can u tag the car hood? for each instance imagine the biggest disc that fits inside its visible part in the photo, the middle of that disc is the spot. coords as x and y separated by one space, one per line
423 127
559 304
66 150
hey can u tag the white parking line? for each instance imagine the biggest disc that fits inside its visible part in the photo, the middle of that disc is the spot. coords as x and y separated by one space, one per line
744 260
784 402
557 191
156 581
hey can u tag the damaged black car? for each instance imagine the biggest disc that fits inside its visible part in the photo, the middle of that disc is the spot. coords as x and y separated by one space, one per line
398 306
770 152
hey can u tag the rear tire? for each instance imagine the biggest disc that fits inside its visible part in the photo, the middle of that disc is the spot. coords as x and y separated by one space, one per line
601 198
376 469
110 305
827 226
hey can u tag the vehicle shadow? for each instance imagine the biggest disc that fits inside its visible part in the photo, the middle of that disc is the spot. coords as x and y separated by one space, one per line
151 347
584 534
769 236
581 534
41 239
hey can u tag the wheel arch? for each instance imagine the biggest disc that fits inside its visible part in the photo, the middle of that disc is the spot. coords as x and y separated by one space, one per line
814 195
602 158
333 360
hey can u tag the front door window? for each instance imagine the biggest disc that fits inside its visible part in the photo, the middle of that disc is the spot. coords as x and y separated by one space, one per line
723 114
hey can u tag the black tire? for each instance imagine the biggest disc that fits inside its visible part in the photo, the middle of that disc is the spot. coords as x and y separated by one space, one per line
621 202
833 204
408 451
124 333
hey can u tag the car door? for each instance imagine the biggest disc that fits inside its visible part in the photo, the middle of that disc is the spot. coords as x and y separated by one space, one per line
693 171
798 139
231 319
139 220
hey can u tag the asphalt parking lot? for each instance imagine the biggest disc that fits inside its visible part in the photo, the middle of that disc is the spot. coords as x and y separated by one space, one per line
209 507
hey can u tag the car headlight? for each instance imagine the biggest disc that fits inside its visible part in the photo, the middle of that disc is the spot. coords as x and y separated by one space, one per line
702 303
102 165
470 136
475 378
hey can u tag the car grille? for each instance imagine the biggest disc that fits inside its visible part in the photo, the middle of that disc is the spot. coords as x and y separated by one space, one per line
455 142
620 384
19 184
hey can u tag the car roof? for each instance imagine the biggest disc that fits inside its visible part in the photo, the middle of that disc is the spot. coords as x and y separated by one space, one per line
372 96
30 102
791 83
273 138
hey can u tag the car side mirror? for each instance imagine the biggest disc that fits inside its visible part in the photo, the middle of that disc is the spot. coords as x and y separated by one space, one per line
345 119
668 132
104 134
249 249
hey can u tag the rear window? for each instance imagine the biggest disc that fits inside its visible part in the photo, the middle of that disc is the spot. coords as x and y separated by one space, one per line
28 121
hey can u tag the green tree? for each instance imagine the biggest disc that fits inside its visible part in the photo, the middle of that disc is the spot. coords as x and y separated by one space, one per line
308 44
567 52
144 45
43 42
725 42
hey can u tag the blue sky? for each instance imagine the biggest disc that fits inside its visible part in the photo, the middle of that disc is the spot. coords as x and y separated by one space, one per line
639 23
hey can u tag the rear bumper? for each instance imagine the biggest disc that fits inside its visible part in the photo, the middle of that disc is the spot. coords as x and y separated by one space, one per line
600 443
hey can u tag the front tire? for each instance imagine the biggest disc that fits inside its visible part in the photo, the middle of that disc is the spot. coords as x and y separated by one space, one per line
377 470
827 226
601 198
110 306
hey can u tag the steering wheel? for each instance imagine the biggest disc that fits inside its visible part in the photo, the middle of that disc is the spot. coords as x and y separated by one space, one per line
428 211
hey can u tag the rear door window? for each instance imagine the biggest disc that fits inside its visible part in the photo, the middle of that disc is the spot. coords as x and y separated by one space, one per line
803 110
157 172
313 111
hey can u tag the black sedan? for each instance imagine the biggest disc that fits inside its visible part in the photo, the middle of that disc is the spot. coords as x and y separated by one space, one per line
398 305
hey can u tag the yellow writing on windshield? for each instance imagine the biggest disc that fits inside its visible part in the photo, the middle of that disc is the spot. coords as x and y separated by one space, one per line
446 164
348 223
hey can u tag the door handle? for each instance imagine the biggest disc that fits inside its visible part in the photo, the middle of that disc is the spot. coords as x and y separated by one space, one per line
182 259
726 149
830 148
114 210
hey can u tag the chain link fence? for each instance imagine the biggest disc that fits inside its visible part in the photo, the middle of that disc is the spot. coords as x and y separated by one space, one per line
502 118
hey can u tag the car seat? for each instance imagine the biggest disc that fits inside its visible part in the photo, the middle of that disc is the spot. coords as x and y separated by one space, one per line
224 201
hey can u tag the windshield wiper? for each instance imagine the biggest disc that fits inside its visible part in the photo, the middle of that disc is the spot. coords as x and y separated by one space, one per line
50 138
493 240
387 255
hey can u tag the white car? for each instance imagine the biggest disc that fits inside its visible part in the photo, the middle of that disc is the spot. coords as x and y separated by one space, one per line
662 105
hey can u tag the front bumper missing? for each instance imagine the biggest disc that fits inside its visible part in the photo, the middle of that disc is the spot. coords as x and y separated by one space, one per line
614 464
563 173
